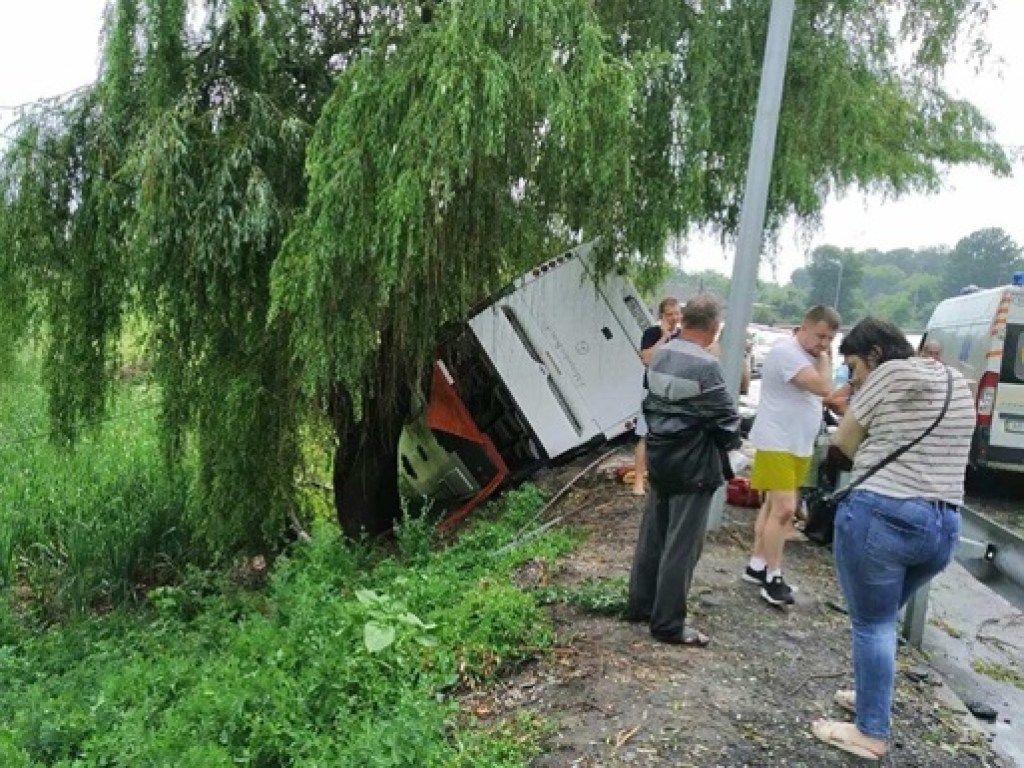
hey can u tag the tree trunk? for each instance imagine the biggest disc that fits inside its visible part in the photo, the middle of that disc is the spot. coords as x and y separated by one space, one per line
366 475
366 496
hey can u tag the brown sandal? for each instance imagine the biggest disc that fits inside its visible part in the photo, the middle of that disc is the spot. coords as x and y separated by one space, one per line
847 737
846 700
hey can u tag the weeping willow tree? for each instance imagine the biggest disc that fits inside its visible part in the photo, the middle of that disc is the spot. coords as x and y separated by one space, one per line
165 191
298 194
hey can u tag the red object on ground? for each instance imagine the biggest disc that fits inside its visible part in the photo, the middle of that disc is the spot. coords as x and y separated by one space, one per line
739 493
448 417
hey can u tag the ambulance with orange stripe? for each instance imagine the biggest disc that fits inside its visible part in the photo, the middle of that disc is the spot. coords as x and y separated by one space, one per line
982 335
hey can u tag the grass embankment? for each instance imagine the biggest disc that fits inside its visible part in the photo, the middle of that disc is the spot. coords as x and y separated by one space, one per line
347 656
84 528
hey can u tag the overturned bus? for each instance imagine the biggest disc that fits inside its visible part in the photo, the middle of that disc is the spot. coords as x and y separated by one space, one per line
543 369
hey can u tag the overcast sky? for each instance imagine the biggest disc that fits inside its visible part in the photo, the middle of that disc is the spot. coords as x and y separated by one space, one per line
48 47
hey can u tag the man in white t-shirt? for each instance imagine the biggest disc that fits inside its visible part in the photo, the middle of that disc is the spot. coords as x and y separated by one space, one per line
795 376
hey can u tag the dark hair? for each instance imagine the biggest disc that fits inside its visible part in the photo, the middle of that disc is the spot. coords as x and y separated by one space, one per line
701 313
878 336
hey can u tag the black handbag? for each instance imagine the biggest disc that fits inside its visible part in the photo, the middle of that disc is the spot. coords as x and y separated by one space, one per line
822 502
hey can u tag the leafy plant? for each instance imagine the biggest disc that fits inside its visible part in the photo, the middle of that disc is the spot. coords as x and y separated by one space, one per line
415 533
601 597
389 621
349 656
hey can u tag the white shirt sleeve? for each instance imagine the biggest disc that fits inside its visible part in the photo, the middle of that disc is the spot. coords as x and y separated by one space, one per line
792 358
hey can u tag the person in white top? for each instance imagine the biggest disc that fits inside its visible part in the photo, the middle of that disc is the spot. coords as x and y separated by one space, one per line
795 376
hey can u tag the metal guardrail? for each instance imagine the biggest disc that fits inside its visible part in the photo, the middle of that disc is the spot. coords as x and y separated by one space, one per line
985 547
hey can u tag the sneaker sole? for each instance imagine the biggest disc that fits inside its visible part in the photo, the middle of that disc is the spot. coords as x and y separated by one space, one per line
760 583
777 603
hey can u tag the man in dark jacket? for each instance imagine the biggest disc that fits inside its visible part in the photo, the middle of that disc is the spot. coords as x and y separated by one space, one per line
692 422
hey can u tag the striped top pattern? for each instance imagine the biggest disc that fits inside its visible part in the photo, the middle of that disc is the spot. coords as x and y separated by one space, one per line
899 401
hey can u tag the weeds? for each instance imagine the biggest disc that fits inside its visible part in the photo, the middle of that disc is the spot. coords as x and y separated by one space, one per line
120 646
350 656
999 672
601 597
87 527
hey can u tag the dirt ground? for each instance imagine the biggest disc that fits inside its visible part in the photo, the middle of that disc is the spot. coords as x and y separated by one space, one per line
618 698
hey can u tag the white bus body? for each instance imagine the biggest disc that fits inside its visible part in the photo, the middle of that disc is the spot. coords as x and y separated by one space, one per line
543 368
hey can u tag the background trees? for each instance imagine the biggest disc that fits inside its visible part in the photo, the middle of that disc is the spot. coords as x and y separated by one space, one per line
985 258
297 196
902 285
835 276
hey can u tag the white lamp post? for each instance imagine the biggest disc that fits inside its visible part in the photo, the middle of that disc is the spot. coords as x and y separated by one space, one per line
839 282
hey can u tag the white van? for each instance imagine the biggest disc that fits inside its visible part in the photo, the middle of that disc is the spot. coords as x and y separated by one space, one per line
982 335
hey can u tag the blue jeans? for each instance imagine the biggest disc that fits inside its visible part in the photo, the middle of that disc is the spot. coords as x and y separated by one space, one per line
885 549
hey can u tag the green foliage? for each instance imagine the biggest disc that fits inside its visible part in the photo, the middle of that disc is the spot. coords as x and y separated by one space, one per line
88 527
985 259
349 658
904 285
296 193
429 156
787 304
166 191
836 275
880 278
415 533
601 597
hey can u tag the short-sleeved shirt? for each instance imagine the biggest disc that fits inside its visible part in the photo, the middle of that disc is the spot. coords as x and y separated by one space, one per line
649 338
898 402
788 417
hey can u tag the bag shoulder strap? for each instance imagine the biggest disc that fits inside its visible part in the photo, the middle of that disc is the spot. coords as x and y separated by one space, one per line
902 449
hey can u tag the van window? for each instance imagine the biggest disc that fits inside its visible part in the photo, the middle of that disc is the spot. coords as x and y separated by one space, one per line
1012 371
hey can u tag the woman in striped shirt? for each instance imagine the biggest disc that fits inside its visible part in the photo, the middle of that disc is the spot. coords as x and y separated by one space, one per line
898 528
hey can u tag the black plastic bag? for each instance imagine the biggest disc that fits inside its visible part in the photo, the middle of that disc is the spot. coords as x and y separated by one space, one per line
821 516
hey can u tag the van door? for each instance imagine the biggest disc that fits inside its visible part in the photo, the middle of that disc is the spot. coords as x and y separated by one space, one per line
1008 412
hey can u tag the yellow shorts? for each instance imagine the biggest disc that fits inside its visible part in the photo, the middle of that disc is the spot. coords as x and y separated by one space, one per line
778 471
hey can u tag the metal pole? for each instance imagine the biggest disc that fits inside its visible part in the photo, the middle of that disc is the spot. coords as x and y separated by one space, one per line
755 200
915 615
839 282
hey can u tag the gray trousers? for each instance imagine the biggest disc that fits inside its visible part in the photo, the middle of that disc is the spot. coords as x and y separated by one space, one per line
667 550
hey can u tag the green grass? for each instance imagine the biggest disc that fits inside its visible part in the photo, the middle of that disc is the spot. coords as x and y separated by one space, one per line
84 527
120 646
351 657
600 597
999 672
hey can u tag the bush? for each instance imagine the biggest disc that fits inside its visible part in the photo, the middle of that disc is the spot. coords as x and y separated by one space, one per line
351 656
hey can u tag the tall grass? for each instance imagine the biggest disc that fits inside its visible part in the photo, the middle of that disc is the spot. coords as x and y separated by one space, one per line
351 657
85 526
